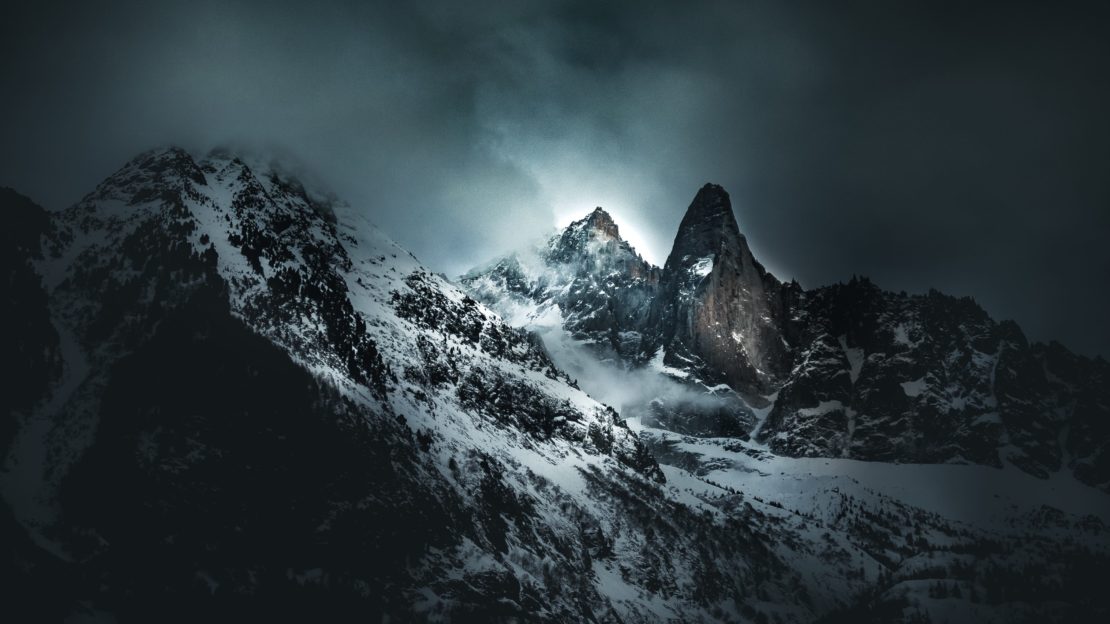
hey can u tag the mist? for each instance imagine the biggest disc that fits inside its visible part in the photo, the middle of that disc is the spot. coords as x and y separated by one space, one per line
925 145
645 393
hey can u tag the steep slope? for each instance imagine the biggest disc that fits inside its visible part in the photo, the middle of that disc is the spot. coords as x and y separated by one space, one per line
846 370
720 314
587 276
267 409
259 407
931 378
595 304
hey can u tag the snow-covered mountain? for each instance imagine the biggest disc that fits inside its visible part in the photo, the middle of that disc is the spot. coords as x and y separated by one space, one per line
846 370
234 398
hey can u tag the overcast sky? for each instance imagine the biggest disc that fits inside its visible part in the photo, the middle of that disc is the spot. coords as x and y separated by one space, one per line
924 145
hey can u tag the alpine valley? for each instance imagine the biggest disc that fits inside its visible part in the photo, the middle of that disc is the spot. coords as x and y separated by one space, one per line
229 397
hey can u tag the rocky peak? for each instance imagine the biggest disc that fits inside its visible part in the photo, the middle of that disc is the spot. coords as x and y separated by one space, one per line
711 204
708 230
720 308
597 226
845 370
594 239
600 224
157 174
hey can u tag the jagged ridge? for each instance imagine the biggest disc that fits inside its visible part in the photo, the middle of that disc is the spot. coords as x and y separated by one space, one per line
838 371
263 408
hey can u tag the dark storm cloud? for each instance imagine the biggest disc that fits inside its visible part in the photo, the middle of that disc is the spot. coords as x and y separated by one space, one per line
926 145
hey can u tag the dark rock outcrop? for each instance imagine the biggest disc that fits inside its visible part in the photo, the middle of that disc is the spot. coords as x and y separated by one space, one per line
719 311
611 286
846 370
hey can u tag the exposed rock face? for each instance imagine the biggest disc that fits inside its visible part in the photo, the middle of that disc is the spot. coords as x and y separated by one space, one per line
243 401
588 286
239 401
720 312
847 370
610 286
930 378
587 274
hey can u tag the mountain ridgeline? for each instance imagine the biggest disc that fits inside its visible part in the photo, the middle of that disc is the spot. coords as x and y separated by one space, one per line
847 370
232 398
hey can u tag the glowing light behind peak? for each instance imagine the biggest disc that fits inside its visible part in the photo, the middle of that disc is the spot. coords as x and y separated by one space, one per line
571 209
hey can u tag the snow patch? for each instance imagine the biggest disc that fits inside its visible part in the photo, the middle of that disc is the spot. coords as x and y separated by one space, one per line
822 408
703 267
855 358
914 388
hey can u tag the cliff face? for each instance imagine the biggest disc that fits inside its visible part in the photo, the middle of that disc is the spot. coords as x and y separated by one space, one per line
237 400
931 378
592 280
845 370
720 311
604 288
231 381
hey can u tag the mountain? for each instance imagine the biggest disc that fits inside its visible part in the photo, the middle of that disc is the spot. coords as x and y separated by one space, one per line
719 313
603 290
847 370
595 302
235 399
249 402
931 378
